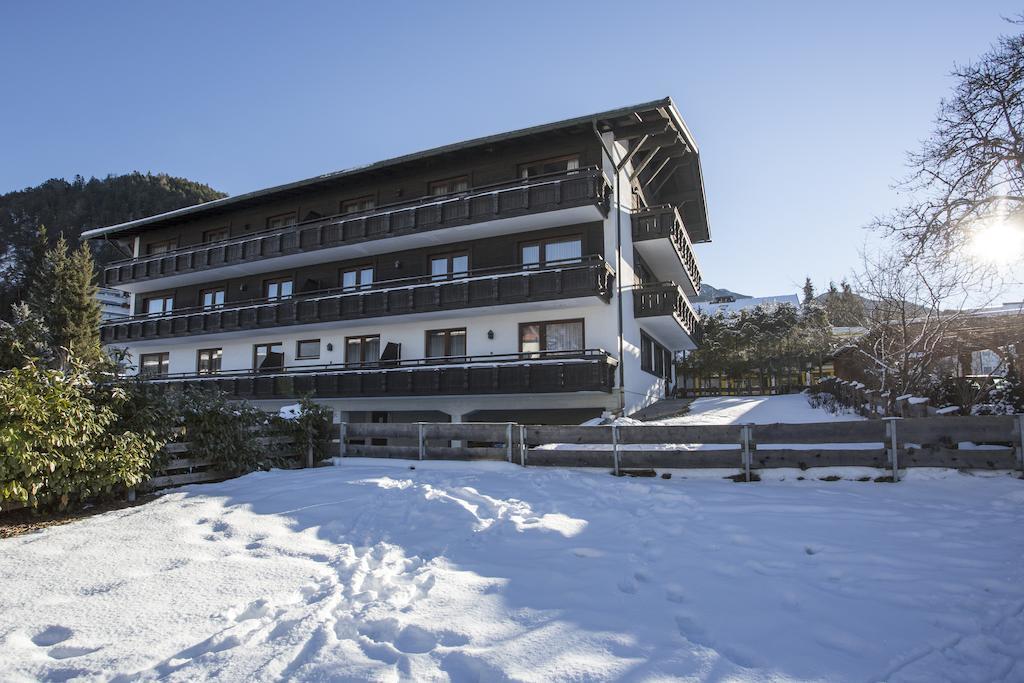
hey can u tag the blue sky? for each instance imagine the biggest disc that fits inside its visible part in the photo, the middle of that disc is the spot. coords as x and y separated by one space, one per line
803 111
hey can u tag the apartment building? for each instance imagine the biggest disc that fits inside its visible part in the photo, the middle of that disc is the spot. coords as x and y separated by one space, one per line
543 274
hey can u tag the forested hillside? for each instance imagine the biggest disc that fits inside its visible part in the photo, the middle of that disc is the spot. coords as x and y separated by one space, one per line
69 207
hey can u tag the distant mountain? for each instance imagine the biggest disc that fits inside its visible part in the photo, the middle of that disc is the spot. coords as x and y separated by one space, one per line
71 206
707 293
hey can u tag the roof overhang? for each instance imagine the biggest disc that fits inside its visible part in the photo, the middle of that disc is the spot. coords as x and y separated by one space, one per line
613 120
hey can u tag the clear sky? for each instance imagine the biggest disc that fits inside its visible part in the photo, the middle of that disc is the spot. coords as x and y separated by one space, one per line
803 111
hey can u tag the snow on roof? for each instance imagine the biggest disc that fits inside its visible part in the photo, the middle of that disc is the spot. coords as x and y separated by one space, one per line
746 304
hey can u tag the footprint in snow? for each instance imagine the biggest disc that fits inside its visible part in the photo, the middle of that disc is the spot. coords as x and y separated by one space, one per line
52 635
67 651
415 640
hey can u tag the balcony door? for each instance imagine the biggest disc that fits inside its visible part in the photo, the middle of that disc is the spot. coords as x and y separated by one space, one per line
551 336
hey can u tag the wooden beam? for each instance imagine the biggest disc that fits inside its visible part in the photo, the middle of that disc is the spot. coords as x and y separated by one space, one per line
663 140
641 129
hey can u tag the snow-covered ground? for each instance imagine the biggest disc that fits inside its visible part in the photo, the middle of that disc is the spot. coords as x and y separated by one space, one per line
789 408
486 571
373 570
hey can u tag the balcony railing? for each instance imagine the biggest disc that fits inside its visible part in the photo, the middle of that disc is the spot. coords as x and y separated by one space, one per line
667 299
479 288
569 189
545 372
664 222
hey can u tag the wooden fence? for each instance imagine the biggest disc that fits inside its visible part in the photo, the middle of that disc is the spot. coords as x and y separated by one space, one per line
874 403
979 442
182 469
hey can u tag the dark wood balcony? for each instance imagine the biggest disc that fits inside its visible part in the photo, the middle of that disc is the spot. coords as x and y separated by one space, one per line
665 309
481 288
654 229
526 373
524 197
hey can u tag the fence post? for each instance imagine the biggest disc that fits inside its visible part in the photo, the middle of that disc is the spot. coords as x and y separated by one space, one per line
615 448
890 433
508 440
745 437
422 444
342 435
522 445
1020 443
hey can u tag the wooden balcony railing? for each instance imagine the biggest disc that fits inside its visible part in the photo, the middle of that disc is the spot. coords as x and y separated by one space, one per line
479 288
667 299
545 372
569 189
664 222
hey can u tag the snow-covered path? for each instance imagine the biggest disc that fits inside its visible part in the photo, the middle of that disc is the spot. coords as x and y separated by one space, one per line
789 408
486 571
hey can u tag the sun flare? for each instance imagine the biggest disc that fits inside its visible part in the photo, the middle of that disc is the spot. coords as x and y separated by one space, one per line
999 242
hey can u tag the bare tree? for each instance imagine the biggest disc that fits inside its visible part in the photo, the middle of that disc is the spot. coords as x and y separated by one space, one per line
970 172
918 313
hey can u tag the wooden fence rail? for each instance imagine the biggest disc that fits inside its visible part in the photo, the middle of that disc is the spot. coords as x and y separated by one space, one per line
182 469
977 442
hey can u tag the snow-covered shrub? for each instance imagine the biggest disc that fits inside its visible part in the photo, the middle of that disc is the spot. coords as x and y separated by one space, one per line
1006 397
825 401
64 439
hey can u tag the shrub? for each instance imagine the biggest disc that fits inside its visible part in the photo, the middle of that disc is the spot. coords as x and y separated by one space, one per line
222 432
309 427
62 440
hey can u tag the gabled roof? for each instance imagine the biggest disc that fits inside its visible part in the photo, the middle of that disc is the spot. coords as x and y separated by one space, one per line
605 121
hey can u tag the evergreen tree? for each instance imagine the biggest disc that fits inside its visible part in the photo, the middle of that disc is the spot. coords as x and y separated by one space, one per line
808 291
63 292
23 340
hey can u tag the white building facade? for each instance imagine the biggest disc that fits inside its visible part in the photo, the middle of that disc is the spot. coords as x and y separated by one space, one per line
540 275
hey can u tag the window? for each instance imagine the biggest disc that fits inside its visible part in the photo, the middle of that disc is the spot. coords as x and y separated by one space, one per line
307 349
551 251
554 335
545 166
280 288
208 361
449 266
212 298
159 305
358 205
217 235
161 247
362 349
446 343
267 357
448 186
655 358
281 220
154 364
360 277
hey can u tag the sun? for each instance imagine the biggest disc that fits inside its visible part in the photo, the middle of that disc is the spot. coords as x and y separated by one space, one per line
999 242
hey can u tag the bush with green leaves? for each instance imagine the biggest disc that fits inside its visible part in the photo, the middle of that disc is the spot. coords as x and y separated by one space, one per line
223 432
309 427
63 440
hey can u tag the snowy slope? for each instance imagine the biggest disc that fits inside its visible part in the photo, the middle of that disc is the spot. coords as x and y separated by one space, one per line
485 571
789 408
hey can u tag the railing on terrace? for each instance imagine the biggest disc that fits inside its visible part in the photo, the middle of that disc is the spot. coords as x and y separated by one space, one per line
590 276
541 372
666 298
567 189
664 222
